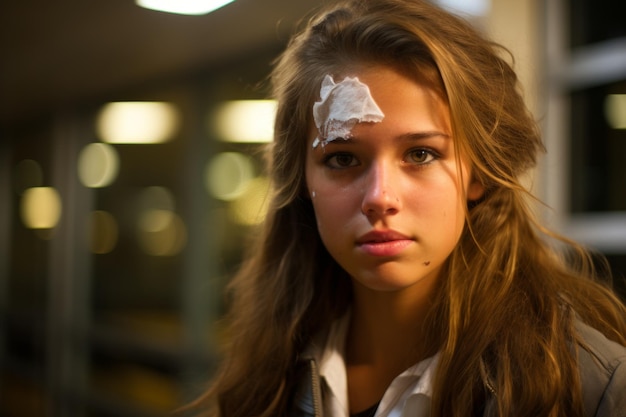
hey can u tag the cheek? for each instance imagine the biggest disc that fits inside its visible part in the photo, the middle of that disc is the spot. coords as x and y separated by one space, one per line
333 211
328 207
327 198
439 207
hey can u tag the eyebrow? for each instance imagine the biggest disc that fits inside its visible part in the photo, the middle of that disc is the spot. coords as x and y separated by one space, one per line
423 135
407 137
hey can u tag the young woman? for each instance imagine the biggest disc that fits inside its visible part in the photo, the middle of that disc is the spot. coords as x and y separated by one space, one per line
400 271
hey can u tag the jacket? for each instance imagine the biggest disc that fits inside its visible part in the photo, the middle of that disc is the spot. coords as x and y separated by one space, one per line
602 367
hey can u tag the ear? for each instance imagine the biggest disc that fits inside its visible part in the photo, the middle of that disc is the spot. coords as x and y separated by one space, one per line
475 190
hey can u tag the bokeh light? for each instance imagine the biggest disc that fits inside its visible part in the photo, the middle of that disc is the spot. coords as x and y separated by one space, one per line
227 175
98 165
103 232
249 121
187 7
251 207
615 110
137 122
161 232
40 207
155 197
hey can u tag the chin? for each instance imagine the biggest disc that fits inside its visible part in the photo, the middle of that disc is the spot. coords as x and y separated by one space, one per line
383 284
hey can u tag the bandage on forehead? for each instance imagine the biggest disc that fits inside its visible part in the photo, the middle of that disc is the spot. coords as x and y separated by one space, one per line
341 106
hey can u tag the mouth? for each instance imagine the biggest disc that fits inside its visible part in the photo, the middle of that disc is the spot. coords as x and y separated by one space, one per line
381 236
387 243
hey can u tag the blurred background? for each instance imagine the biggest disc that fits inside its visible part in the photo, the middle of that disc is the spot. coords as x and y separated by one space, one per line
131 177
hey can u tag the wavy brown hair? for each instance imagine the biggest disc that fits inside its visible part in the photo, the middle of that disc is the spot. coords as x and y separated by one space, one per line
504 311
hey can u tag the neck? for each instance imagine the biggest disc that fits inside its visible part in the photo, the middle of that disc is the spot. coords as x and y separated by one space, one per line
385 338
388 326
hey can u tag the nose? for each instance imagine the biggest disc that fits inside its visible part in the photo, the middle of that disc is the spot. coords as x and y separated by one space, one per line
380 194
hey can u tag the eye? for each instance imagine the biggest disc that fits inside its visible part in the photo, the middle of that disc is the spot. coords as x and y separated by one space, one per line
340 160
421 156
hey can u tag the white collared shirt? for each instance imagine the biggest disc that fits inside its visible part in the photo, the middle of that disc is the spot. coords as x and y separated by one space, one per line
408 394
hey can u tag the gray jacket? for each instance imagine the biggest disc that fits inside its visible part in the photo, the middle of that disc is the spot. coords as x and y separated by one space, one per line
602 373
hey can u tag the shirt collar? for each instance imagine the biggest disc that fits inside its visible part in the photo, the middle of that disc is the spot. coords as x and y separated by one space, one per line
329 354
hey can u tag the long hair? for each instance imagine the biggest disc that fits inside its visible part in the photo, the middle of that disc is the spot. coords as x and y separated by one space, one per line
505 310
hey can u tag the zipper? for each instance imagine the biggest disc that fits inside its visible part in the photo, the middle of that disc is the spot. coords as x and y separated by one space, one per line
316 389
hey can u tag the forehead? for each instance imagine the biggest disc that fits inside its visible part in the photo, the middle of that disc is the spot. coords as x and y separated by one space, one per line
400 93
406 103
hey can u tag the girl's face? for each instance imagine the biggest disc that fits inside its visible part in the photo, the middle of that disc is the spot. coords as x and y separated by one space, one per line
389 201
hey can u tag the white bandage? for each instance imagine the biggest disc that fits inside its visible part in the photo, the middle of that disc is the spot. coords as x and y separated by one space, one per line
342 105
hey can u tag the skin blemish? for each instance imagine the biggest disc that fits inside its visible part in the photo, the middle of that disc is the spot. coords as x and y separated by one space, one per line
341 106
426 263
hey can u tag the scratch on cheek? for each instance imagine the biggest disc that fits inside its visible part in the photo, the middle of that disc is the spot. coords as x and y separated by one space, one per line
426 263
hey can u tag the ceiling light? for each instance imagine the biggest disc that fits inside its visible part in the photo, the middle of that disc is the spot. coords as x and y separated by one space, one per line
250 121
189 7
137 122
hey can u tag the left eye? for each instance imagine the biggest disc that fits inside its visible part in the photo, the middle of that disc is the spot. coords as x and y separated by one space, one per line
420 156
341 160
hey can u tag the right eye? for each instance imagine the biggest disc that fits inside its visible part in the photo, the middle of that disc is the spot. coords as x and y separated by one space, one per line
340 160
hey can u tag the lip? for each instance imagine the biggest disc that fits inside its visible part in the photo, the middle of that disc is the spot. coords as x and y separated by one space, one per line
383 243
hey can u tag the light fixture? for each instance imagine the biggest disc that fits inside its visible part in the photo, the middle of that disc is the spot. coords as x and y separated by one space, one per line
245 121
98 165
41 207
615 110
188 7
137 122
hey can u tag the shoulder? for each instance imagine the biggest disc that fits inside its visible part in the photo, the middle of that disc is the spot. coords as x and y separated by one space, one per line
602 365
